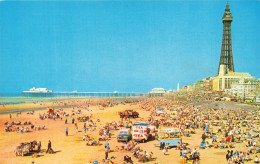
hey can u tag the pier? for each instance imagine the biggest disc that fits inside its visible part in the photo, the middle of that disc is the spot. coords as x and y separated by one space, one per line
91 94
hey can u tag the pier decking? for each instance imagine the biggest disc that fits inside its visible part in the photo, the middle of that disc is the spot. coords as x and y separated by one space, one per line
91 94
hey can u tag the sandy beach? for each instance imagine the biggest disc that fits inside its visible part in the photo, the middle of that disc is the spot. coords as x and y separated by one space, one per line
72 149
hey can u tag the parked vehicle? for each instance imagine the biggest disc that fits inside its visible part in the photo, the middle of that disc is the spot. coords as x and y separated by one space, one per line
249 100
141 132
83 118
124 135
129 114
169 136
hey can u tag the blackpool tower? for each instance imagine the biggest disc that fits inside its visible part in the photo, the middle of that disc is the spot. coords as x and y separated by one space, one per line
226 57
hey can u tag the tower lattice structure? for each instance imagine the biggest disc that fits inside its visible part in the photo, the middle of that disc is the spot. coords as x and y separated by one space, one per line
226 57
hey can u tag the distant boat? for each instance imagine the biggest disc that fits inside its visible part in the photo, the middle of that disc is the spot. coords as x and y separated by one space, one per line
38 90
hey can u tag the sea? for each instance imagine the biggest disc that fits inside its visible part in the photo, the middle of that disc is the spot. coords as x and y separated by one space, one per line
17 98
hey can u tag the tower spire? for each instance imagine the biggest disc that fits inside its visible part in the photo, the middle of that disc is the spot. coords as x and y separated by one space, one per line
226 57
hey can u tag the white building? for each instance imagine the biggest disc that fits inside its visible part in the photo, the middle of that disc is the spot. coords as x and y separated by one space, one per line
158 90
243 88
223 81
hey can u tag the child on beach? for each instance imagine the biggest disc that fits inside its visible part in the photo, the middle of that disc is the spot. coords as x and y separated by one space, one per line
76 127
164 150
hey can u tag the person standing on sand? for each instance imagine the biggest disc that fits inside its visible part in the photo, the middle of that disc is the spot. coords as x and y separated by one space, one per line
67 131
49 147
203 137
66 121
107 146
10 116
103 162
39 144
85 129
106 153
76 127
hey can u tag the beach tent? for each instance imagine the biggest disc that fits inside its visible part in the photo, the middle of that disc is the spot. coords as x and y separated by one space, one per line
160 109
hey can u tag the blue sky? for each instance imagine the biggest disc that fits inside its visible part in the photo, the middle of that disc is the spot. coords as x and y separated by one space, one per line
121 45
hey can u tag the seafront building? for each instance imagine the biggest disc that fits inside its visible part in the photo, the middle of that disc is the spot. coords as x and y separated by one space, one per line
227 81
244 88
158 91
258 87
223 81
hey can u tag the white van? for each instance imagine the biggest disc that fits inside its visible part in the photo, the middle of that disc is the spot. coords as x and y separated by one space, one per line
141 132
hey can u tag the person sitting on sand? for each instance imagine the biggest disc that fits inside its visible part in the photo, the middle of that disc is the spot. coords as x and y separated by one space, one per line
136 153
226 145
110 162
94 142
95 162
220 145
207 144
230 145
256 159
127 158
87 143
196 157
103 162
247 157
